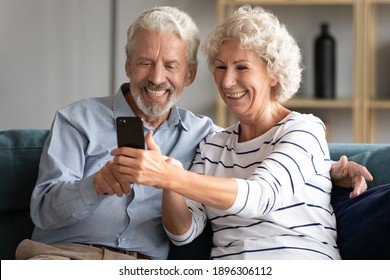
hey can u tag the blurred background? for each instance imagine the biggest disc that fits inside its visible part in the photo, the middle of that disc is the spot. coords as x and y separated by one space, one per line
55 52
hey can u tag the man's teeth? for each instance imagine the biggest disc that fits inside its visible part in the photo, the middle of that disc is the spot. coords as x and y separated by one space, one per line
156 93
236 95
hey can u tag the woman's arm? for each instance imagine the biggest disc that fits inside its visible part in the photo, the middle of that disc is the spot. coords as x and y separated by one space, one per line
150 167
176 216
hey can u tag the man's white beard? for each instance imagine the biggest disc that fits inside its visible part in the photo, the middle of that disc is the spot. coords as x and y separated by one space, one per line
153 110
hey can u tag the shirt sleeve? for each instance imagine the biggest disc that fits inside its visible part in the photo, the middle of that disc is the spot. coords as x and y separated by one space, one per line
62 196
199 221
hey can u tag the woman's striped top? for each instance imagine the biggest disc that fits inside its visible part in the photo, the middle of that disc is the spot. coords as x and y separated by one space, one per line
282 209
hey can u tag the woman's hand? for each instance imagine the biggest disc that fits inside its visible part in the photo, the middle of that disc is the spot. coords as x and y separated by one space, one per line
148 167
349 174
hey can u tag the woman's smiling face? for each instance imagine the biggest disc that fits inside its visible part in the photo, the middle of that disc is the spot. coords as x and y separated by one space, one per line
242 79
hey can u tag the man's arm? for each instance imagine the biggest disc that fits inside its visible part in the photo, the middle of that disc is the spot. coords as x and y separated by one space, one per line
64 193
349 174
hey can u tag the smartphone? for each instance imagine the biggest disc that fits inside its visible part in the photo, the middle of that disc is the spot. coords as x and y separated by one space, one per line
130 132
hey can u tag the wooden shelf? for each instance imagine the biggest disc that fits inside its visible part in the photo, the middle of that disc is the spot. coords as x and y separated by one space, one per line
378 104
320 103
373 103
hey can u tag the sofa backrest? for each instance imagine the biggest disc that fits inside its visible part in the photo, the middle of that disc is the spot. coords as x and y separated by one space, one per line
375 157
20 151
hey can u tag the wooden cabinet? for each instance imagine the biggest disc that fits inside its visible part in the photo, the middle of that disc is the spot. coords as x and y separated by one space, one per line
353 115
376 98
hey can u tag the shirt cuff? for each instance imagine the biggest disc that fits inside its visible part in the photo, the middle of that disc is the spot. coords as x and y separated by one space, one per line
181 239
87 190
241 198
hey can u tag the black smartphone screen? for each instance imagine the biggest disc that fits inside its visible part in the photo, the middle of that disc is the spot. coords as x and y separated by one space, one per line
130 132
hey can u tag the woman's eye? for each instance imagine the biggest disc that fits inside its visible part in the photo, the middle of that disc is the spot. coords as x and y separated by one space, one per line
241 67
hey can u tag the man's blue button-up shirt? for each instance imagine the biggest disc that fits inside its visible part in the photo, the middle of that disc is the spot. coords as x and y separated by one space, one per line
65 206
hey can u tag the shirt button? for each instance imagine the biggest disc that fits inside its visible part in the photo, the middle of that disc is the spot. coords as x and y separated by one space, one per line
123 240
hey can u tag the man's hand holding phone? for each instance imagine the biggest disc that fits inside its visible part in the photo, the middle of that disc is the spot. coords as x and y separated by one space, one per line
111 179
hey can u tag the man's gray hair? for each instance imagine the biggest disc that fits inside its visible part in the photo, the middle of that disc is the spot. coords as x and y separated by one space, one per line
167 20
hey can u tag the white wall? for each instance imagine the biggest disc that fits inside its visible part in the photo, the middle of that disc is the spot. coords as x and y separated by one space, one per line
52 52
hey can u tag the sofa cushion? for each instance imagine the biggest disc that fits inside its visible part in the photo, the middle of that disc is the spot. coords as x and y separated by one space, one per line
363 225
20 151
377 161
350 149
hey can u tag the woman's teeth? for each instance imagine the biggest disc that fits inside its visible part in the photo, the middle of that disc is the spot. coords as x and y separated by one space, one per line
236 95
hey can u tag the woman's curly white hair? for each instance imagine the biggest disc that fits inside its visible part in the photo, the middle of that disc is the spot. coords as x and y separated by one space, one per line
260 31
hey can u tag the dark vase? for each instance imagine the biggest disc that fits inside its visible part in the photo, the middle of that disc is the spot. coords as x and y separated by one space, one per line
325 59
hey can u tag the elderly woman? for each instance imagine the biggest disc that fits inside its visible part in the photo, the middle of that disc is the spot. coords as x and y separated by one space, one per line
264 183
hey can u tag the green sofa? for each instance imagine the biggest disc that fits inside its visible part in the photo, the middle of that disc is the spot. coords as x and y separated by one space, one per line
19 158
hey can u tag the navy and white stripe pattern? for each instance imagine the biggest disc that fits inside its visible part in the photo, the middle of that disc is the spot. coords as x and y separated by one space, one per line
282 209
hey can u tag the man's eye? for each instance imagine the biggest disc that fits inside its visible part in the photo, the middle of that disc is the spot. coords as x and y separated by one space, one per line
144 63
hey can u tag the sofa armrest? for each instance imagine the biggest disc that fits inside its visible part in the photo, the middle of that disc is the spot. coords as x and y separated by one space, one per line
20 152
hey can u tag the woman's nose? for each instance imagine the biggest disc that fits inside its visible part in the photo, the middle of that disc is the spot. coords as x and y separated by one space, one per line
229 79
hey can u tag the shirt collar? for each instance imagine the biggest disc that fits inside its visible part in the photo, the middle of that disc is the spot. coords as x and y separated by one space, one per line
121 108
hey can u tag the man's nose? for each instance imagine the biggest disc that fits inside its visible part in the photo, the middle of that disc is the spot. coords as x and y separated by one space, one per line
157 74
